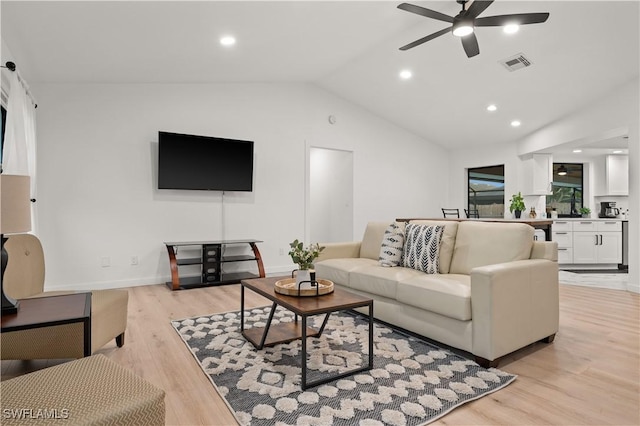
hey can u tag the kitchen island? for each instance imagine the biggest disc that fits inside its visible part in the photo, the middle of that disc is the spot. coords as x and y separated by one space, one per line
543 224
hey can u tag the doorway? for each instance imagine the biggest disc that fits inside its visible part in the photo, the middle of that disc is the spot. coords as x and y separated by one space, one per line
330 195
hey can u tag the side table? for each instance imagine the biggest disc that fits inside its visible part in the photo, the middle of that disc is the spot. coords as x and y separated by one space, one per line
51 311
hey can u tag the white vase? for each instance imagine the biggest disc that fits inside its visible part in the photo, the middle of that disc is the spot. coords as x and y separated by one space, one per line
303 275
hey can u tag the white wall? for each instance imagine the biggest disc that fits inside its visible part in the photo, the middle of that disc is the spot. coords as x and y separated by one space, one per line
97 151
616 114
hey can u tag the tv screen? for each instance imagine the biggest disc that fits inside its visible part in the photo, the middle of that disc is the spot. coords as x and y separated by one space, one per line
204 163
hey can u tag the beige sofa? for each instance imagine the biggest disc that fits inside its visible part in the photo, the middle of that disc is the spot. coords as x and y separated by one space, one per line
497 290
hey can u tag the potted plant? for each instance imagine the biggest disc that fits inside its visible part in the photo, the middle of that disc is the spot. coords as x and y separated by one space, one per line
304 258
517 204
585 211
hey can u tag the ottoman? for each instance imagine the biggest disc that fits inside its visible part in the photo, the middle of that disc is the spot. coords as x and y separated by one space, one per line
91 390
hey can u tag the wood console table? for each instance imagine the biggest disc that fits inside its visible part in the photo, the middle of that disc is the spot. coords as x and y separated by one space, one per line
544 224
210 259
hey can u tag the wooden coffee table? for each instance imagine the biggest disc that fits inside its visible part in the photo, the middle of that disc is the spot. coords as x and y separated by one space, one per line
305 307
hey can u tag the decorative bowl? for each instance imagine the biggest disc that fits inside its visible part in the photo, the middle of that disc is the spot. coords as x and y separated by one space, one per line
288 287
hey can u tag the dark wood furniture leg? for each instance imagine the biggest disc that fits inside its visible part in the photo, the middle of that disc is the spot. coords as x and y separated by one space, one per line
87 326
120 340
548 339
173 263
485 363
256 253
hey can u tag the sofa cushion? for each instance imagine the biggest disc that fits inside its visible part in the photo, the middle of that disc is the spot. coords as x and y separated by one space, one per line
445 294
372 240
446 244
392 245
422 247
380 280
337 270
486 243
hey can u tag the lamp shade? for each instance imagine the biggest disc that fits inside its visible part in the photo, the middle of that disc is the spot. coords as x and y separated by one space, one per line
15 204
562 170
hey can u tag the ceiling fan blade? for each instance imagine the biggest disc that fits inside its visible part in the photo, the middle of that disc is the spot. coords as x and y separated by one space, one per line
470 44
426 12
477 7
426 39
516 18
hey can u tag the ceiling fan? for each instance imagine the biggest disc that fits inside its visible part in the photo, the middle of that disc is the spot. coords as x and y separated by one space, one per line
465 21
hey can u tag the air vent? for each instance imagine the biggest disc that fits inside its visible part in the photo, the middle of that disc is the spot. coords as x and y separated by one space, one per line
516 62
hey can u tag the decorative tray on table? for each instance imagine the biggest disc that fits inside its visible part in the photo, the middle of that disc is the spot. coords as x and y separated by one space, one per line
289 287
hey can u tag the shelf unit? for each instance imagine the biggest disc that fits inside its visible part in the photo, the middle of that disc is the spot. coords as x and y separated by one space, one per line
211 259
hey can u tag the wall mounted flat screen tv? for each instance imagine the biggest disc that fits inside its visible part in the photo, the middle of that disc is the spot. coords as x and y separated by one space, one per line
204 163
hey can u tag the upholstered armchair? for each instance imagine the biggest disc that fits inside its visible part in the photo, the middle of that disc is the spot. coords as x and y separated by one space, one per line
24 278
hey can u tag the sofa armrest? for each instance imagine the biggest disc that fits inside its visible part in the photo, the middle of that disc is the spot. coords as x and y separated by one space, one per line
545 250
513 304
339 250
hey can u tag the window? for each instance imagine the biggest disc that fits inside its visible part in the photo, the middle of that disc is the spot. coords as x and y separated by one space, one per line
566 195
486 191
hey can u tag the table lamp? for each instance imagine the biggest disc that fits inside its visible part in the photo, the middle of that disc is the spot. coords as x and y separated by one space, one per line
15 218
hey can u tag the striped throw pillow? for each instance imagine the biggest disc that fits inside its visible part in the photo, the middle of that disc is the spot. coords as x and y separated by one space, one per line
422 247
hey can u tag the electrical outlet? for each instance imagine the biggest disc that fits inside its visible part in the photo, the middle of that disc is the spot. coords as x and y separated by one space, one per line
105 261
281 252
134 260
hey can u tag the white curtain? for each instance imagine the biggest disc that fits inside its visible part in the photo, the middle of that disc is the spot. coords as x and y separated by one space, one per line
19 148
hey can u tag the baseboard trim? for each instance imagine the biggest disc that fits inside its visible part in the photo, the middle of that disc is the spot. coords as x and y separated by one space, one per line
139 282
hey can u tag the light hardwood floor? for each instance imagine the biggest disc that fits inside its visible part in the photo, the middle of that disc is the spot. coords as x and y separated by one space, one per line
589 375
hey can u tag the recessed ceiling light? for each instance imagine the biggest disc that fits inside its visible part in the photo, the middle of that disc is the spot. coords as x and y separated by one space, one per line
405 74
617 151
492 108
515 123
227 41
511 28
577 150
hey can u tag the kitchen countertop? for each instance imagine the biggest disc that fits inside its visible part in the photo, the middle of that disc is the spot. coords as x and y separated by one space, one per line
592 219
526 220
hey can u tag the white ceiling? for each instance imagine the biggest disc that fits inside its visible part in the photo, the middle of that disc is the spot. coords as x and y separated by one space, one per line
350 48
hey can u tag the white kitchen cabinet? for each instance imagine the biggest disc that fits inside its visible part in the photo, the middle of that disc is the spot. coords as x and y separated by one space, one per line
563 235
597 242
538 175
616 175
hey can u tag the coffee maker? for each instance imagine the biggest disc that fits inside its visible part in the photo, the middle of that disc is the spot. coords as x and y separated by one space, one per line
608 209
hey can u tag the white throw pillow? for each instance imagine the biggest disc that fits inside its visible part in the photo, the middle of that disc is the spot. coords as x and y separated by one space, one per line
392 245
422 247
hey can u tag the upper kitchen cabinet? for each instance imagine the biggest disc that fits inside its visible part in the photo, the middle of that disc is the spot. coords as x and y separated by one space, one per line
538 175
616 175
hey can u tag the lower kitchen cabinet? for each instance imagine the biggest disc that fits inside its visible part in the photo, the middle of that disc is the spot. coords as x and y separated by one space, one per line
588 242
597 247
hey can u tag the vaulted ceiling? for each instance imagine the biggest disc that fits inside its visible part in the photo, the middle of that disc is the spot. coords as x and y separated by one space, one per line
350 48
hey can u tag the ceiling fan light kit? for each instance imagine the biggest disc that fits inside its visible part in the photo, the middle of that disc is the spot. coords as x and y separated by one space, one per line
463 23
462 27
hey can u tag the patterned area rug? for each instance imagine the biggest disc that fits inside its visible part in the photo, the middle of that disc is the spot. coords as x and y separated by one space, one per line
412 382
